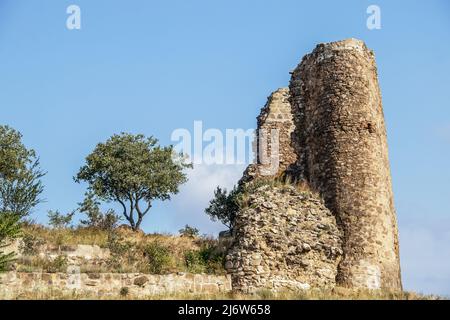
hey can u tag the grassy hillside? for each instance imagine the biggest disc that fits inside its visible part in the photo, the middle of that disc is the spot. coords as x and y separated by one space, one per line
129 251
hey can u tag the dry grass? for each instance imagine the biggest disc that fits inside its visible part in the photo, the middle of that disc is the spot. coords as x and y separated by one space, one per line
66 237
89 236
336 294
130 251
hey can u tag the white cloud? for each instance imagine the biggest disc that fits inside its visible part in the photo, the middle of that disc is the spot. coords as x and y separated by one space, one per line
187 207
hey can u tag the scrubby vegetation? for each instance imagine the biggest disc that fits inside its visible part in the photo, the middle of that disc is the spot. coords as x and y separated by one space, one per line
95 218
224 206
129 251
9 230
35 235
332 294
208 259
60 220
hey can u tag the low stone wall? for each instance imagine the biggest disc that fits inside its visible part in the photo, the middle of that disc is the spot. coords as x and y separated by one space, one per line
16 284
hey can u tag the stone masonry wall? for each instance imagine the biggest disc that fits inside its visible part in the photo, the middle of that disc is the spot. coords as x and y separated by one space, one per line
334 140
273 143
342 152
102 285
276 120
95 284
285 239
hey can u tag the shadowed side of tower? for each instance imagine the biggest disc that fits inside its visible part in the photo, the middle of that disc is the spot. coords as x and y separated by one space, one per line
341 145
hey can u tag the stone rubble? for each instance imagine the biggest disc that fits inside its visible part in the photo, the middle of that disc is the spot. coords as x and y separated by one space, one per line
285 239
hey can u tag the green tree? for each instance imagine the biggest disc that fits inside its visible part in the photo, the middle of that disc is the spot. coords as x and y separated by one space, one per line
133 170
9 230
224 206
20 175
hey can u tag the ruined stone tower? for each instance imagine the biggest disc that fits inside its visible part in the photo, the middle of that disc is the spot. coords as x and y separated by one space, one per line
340 146
342 149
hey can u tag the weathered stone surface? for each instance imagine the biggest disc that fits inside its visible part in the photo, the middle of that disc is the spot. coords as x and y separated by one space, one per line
342 152
14 284
332 136
273 147
282 246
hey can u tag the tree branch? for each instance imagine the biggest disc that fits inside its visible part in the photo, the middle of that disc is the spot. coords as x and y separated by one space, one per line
124 208
132 223
141 214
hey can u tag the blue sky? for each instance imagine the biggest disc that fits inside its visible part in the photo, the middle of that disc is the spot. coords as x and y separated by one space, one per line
154 66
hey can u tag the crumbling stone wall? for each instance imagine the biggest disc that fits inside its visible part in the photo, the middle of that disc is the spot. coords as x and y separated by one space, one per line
337 144
102 285
342 152
275 127
273 147
285 239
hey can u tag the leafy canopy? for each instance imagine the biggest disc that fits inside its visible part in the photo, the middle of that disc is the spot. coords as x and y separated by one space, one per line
133 170
20 184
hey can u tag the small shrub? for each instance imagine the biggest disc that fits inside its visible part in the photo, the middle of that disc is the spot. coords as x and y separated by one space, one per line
95 217
122 253
59 220
189 231
59 264
158 257
124 291
30 244
224 206
194 261
117 245
209 259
